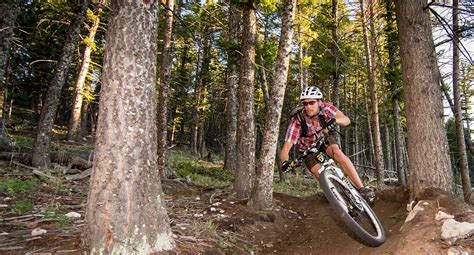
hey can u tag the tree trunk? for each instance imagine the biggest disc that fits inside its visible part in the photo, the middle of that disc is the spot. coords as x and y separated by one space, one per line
429 163
195 111
261 66
369 44
84 118
369 129
262 195
300 64
388 147
204 84
400 162
74 122
232 83
125 209
8 16
464 166
392 46
245 172
355 125
41 157
335 59
163 91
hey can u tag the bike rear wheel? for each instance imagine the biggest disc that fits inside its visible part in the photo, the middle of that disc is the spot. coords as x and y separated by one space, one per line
352 208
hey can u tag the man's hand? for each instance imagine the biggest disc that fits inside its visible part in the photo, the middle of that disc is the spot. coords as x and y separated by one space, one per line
286 166
330 124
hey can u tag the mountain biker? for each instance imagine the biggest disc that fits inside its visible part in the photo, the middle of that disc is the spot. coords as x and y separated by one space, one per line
320 116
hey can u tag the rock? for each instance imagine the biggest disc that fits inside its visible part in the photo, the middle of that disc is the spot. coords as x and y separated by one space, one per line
457 230
73 215
443 216
457 251
38 231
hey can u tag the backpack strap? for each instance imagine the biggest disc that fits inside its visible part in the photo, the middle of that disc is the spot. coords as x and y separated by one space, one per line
303 124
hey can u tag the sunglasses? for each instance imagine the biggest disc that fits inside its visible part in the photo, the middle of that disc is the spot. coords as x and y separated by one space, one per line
309 103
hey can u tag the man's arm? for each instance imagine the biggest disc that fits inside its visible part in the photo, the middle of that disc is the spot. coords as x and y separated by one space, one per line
285 151
341 119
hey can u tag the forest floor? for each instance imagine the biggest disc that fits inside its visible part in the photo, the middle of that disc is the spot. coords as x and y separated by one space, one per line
212 221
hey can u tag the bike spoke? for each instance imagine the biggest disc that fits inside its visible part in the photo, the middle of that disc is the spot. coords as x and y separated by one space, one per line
354 207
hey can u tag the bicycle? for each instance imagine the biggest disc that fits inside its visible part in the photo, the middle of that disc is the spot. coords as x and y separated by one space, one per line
343 196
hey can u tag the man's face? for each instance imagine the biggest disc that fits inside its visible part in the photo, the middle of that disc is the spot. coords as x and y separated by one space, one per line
311 106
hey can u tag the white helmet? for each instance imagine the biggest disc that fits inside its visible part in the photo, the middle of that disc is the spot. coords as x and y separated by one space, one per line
311 92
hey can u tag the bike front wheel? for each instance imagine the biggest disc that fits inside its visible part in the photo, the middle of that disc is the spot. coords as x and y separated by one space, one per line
352 208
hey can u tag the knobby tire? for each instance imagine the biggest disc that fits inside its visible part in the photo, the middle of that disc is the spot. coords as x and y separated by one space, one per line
331 183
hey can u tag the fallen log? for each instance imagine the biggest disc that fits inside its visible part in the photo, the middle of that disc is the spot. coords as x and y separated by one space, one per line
80 176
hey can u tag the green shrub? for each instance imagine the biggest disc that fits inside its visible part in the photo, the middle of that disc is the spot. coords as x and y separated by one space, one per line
14 186
208 174
186 168
399 216
23 141
55 212
297 186
205 228
200 172
21 207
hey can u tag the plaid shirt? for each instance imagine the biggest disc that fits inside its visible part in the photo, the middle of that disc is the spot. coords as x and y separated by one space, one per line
314 127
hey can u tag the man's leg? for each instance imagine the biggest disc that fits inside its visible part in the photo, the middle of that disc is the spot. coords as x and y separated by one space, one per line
315 171
346 164
312 165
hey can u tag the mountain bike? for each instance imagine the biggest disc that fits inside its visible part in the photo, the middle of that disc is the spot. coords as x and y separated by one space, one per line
344 198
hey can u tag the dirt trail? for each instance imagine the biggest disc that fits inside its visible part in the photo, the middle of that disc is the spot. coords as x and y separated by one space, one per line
311 227
212 221
297 225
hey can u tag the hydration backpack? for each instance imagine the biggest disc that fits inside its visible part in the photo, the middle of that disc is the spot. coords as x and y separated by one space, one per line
298 113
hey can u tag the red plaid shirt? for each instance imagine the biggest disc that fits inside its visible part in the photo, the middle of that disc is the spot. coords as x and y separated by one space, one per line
293 133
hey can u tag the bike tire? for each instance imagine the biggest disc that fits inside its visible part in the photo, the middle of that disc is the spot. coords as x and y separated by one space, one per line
335 190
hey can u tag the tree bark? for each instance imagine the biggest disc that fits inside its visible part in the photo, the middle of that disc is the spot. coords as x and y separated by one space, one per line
125 209
335 57
388 147
204 84
8 16
74 122
84 118
164 87
262 195
369 44
41 147
429 163
370 132
232 83
464 166
392 75
245 172
355 133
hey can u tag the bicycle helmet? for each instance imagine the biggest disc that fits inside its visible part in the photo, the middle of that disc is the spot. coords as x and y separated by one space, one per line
311 92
